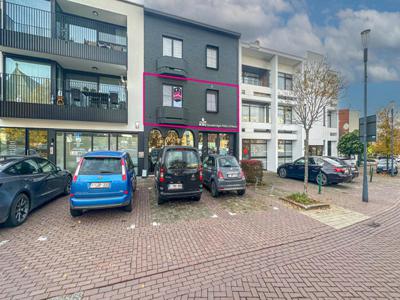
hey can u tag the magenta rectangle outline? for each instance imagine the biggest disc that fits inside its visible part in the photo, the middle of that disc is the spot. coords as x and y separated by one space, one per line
194 80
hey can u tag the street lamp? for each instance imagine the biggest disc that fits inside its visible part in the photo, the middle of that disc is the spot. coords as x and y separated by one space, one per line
392 104
364 41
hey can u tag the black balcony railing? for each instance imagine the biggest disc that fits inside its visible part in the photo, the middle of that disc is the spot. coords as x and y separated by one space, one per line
62 34
33 97
67 27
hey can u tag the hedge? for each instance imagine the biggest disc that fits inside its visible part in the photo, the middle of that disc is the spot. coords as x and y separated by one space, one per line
252 169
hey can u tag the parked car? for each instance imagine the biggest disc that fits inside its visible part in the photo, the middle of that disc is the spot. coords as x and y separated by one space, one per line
385 166
332 172
103 179
350 163
223 173
26 183
178 174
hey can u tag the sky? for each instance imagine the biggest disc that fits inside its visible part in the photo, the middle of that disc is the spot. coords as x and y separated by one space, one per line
330 27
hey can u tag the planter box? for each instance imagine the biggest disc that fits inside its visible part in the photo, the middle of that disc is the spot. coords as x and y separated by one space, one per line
319 205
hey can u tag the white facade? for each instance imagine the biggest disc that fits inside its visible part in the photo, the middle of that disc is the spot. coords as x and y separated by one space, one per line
268 126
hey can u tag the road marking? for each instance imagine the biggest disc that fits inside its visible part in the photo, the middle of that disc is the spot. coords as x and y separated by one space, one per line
275 208
131 227
232 213
42 238
214 216
4 242
155 224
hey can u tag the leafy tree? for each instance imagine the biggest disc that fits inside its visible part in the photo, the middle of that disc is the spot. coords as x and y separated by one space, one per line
382 145
350 144
315 86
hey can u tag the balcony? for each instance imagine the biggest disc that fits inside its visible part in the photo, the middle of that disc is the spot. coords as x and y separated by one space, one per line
172 66
62 34
171 115
33 97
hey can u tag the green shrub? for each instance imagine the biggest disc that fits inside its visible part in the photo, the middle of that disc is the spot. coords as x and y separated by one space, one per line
301 198
252 169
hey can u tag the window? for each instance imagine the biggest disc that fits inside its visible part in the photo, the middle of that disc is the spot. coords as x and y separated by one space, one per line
172 47
172 95
12 141
257 113
285 115
212 101
255 76
26 167
332 119
181 159
212 57
285 154
285 81
255 149
45 165
100 165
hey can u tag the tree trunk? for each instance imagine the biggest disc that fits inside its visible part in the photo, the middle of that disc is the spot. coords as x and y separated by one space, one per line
306 161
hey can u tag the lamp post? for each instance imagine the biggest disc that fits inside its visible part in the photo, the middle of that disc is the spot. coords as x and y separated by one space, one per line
392 137
364 40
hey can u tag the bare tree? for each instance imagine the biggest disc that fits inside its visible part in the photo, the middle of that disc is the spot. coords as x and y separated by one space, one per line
315 87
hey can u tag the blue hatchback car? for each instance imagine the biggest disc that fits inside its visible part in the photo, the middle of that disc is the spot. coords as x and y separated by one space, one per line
103 179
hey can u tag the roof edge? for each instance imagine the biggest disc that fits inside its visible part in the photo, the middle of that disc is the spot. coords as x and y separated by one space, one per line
157 13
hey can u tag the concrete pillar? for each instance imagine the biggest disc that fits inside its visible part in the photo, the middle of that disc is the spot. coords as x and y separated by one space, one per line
272 145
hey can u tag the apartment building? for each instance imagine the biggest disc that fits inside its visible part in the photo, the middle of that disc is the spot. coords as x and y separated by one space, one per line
269 131
71 78
191 86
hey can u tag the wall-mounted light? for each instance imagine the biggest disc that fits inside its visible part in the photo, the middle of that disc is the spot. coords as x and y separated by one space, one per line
137 125
95 68
95 13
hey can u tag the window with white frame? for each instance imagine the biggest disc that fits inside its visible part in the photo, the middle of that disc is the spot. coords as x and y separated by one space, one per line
172 47
212 57
212 101
172 95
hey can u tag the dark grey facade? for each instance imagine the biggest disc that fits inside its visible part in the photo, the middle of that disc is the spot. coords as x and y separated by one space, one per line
190 73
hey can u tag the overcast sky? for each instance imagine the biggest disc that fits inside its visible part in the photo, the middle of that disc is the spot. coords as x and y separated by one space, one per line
329 27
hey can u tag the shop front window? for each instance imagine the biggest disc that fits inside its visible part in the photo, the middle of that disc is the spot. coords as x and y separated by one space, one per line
187 139
172 138
38 142
12 141
77 144
224 144
285 154
255 149
100 141
212 143
60 149
129 143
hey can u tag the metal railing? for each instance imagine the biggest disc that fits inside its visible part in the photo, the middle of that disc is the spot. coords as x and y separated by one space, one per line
64 26
21 88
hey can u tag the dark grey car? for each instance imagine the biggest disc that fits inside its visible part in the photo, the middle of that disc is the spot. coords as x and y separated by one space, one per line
26 183
223 173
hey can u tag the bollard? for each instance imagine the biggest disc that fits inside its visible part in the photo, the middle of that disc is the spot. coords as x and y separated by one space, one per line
319 179
371 172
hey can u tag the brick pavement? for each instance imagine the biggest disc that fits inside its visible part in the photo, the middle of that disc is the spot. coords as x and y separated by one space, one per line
267 253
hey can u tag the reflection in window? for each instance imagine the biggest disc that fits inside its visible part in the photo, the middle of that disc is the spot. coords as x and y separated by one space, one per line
212 143
172 138
82 35
38 142
256 113
29 16
285 115
187 139
60 149
285 151
12 141
76 145
100 141
224 143
129 143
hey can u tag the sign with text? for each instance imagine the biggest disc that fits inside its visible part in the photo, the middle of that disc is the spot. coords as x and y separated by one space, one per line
371 128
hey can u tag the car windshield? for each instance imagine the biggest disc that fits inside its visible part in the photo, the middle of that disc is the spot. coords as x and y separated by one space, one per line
385 161
228 162
332 162
100 165
181 159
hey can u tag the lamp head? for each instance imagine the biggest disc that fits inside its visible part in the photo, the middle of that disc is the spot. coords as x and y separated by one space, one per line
365 37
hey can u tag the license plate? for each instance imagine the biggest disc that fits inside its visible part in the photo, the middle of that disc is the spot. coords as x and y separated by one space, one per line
346 172
230 175
175 186
99 185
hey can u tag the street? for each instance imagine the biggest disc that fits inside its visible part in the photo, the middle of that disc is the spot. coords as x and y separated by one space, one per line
230 247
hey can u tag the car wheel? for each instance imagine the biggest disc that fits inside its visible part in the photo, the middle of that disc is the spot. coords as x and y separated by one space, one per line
214 190
19 210
324 179
67 189
75 212
282 173
160 200
129 207
241 192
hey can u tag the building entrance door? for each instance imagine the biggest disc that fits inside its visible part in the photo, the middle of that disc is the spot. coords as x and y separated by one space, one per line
38 142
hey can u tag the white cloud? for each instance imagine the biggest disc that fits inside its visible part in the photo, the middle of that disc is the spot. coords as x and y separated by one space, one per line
286 26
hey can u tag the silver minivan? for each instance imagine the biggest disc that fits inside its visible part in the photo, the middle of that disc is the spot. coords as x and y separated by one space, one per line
223 173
